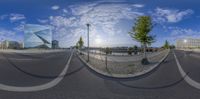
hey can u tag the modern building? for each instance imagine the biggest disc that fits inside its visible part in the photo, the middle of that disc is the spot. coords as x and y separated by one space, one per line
187 43
5 44
10 45
21 45
37 36
55 44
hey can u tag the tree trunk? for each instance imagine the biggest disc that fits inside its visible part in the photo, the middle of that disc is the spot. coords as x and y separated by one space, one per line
145 60
145 55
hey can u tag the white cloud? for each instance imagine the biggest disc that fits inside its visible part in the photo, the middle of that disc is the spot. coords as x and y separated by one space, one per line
82 9
171 15
13 17
16 17
43 21
55 7
106 16
138 5
63 22
180 32
20 27
103 19
6 34
65 11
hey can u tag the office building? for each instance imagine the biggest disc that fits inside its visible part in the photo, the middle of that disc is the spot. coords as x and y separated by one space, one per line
187 43
10 45
55 44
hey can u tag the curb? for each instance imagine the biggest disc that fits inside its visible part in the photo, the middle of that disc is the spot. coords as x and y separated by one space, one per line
119 76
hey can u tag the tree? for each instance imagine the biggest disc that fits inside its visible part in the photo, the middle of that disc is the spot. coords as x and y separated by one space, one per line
108 50
140 32
166 45
130 50
80 43
77 45
172 46
135 49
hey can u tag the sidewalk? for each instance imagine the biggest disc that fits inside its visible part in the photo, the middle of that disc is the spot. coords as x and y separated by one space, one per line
128 58
125 68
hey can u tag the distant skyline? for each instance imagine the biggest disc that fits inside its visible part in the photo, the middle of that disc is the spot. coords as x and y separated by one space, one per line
110 20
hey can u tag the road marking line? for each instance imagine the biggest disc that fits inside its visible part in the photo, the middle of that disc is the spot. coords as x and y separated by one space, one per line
21 59
190 81
185 54
39 87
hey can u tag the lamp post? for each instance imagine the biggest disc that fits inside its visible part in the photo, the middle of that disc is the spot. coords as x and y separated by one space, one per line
88 28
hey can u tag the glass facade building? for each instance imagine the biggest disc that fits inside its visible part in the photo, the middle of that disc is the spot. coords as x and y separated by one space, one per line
55 44
37 36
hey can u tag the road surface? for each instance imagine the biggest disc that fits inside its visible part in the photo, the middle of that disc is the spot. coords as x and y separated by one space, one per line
80 82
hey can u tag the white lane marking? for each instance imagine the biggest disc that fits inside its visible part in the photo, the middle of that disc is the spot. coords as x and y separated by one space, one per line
185 54
38 87
20 59
190 81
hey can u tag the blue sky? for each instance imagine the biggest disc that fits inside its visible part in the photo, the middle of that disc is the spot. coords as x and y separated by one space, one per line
110 20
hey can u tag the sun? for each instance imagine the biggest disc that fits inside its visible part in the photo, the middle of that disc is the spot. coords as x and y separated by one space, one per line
98 41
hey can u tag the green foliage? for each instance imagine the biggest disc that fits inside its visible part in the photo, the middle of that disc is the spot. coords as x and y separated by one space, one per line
135 47
130 50
77 45
172 46
166 45
141 33
108 50
141 29
80 42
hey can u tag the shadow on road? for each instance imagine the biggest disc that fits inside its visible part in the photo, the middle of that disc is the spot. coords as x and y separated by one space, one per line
155 87
41 76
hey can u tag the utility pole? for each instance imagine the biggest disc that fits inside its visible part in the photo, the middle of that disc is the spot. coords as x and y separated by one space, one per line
88 29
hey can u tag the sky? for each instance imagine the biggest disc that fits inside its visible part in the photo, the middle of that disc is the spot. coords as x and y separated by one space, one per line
110 20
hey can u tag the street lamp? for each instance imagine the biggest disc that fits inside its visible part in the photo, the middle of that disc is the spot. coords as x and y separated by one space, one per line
88 28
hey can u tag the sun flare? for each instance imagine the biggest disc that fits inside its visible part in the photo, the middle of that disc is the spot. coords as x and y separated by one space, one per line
98 41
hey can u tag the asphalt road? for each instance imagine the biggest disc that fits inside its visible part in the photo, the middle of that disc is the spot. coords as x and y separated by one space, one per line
82 83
